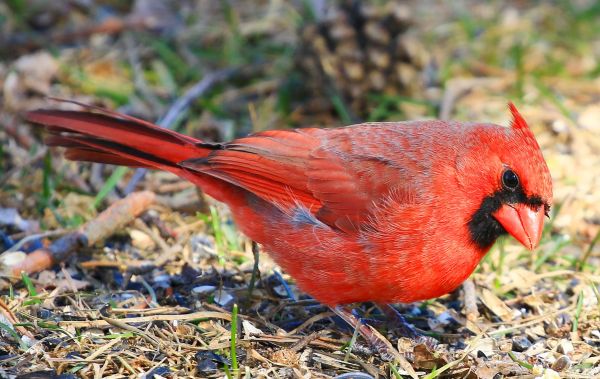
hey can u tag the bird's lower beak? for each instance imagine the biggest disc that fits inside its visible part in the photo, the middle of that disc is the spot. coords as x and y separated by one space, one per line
522 222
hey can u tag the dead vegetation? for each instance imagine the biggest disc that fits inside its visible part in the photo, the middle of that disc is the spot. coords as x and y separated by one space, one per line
159 283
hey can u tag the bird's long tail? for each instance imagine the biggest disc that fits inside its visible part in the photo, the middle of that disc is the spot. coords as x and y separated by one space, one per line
113 138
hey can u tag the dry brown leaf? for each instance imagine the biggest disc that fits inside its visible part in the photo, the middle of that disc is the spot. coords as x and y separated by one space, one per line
285 357
497 306
141 240
518 278
426 359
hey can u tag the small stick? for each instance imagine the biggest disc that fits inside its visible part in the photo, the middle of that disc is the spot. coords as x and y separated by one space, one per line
471 311
113 218
30 162
121 325
12 319
179 107
306 340
111 25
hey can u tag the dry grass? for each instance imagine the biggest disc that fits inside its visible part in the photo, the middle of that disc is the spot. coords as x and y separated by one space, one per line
155 297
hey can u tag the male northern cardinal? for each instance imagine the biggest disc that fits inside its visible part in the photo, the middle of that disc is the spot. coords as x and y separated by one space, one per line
385 212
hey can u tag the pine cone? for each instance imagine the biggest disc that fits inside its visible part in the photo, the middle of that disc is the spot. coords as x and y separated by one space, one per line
357 50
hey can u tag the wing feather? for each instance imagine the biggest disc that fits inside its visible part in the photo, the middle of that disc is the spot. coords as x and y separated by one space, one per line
316 168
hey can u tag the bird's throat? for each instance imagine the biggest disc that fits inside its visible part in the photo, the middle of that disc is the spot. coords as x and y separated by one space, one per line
484 229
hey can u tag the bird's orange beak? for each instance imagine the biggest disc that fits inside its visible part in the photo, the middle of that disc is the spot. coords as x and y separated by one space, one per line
522 222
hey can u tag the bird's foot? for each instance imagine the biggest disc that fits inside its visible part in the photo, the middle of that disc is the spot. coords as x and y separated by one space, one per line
376 341
404 327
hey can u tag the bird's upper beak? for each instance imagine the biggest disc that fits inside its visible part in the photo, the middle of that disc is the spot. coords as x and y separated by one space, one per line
522 222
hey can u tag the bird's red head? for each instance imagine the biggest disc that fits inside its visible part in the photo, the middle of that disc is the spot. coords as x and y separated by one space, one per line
517 190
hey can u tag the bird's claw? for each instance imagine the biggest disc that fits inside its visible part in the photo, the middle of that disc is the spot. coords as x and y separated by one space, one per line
405 328
429 342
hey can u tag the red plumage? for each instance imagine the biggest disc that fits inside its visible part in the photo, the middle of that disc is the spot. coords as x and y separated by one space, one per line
385 212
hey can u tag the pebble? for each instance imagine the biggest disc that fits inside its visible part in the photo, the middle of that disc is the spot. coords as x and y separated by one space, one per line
12 259
280 290
505 345
223 298
535 349
202 248
354 375
250 329
162 278
141 240
208 363
565 347
158 372
203 290
484 346
562 363
521 343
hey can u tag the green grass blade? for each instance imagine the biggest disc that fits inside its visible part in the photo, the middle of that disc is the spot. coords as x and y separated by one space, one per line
577 312
110 185
28 284
14 335
234 322
521 363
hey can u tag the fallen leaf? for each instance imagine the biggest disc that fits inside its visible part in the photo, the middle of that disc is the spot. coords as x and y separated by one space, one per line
496 305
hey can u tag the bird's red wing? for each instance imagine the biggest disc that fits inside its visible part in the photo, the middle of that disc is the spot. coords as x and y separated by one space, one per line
349 185
300 166
270 164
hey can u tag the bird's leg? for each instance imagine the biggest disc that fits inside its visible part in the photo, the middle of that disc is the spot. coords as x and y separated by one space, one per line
373 338
405 329
255 273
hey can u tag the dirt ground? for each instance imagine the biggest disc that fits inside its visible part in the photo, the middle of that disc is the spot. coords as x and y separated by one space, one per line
152 294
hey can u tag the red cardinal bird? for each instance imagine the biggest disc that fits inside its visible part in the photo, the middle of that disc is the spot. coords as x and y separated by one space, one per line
385 212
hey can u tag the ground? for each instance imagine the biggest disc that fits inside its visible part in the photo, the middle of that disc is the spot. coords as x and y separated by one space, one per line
152 290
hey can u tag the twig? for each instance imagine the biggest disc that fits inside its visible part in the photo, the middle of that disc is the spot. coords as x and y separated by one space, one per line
151 311
117 215
151 217
31 237
306 340
134 320
581 263
111 25
28 163
19 134
120 324
529 322
131 266
309 322
177 186
182 103
139 80
470 297
10 317
179 107
458 87
113 218
102 349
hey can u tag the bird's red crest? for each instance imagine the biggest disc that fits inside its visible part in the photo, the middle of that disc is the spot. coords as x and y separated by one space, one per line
518 122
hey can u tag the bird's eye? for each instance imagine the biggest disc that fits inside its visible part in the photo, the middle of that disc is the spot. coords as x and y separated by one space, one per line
510 180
